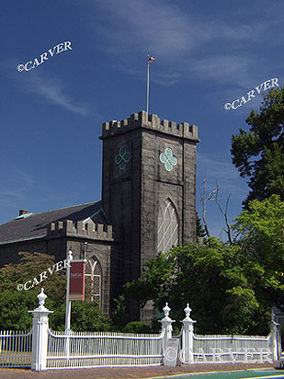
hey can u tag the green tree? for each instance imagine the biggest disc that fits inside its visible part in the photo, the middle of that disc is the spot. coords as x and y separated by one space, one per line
261 241
85 317
29 267
137 327
119 315
231 288
259 153
212 279
200 232
14 304
14 307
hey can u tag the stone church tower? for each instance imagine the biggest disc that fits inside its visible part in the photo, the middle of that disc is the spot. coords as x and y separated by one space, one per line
148 205
148 191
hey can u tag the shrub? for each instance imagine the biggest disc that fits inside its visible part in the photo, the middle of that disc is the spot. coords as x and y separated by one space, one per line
137 327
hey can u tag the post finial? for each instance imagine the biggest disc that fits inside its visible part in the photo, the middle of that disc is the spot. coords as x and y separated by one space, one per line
187 311
166 310
69 255
41 299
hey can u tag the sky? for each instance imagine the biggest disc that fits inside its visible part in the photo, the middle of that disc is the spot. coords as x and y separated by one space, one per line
208 53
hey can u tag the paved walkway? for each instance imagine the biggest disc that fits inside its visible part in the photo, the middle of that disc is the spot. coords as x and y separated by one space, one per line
129 372
249 374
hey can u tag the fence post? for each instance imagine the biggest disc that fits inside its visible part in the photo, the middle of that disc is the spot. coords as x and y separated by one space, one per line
40 334
166 325
187 336
275 340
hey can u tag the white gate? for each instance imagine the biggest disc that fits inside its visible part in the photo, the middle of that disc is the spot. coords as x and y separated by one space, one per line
15 348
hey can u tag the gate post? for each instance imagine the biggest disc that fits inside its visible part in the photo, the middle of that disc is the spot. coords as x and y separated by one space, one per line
275 340
40 334
166 325
187 336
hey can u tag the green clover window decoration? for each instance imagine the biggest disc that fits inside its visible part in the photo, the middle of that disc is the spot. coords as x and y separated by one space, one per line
122 157
168 159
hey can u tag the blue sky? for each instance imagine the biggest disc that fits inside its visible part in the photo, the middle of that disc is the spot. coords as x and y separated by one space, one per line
207 53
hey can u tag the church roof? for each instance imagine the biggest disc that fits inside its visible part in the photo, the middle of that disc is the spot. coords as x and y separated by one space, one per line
32 226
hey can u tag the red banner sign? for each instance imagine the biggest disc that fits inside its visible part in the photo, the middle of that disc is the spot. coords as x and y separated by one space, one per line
77 281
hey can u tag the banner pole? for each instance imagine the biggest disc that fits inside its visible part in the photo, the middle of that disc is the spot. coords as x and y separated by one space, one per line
68 302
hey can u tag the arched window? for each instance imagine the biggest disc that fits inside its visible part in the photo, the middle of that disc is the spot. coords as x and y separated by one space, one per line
93 280
167 226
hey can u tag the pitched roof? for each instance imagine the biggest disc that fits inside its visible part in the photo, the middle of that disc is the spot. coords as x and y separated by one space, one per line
32 226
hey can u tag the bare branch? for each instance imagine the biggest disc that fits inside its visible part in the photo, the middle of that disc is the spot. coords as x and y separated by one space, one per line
228 229
204 198
203 201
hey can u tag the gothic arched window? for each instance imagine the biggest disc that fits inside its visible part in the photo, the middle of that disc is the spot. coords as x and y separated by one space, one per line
93 280
167 226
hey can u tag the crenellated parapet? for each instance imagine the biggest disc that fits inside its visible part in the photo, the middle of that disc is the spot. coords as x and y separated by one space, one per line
151 121
80 229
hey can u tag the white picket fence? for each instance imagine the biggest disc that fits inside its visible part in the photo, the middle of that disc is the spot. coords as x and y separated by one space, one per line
15 348
231 349
103 349
226 348
42 348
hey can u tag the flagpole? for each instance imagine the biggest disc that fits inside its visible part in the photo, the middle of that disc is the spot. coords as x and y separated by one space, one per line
150 59
148 75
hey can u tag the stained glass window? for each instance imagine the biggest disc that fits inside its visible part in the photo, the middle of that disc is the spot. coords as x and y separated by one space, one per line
167 226
93 280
